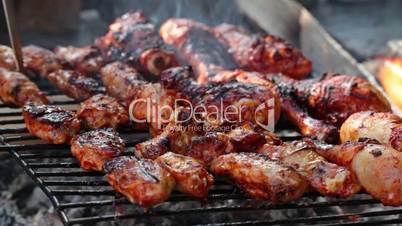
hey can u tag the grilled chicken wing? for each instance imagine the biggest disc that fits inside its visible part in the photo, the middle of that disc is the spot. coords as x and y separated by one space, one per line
102 111
378 168
190 175
50 123
198 46
16 89
246 102
143 181
40 61
87 60
327 178
133 39
263 53
95 147
7 58
260 177
74 84
384 127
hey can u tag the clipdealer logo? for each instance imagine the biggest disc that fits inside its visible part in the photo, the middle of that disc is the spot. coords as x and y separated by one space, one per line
149 110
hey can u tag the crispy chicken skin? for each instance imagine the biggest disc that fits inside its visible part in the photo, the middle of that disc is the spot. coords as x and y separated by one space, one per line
93 148
378 168
263 53
191 176
50 123
384 127
197 45
326 178
246 102
142 181
87 60
133 39
101 111
40 61
335 97
260 177
16 89
74 84
7 58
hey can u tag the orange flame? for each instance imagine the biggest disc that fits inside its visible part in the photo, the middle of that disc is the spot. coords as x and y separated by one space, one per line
390 76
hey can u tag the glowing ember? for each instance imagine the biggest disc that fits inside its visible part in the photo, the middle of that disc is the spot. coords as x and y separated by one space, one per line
390 76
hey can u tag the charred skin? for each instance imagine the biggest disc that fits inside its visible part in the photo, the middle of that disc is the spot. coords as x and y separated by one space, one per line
143 182
335 97
134 40
102 111
377 167
40 61
326 178
263 53
7 58
260 177
75 85
198 46
87 60
190 175
16 89
247 99
50 123
95 147
383 127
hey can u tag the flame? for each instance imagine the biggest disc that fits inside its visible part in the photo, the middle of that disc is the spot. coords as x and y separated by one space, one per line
390 76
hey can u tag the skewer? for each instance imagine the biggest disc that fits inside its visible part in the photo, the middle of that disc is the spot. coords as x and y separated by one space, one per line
9 11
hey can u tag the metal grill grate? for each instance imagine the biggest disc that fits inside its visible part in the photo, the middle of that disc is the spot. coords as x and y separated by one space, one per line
82 197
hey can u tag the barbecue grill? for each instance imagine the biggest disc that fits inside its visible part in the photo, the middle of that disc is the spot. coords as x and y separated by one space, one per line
73 190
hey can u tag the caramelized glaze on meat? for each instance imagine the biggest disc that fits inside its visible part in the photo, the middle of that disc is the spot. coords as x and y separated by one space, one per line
7 58
93 148
384 127
50 123
16 89
198 46
142 181
102 111
326 178
190 175
260 177
40 61
378 168
87 60
75 85
263 53
133 39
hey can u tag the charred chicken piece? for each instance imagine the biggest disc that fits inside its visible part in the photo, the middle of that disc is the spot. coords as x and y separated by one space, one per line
74 84
381 126
378 168
134 40
198 46
40 61
247 102
261 177
87 60
95 147
16 89
7 58
143 181
50 123
263 53
191 176
326 178
101 111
